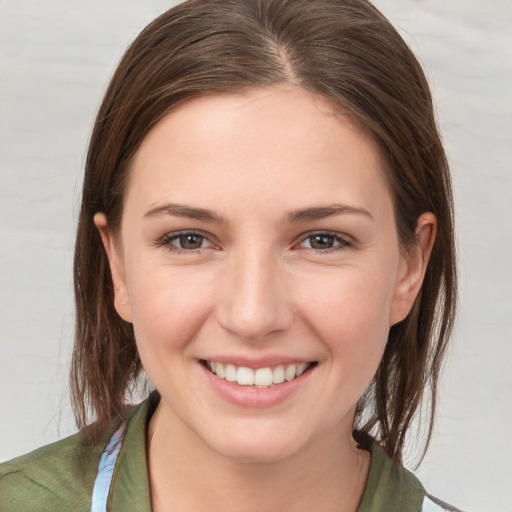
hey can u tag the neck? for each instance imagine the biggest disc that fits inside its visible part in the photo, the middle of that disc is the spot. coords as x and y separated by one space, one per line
329 474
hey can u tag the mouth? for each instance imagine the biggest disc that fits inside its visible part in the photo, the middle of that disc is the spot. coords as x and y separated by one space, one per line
261 378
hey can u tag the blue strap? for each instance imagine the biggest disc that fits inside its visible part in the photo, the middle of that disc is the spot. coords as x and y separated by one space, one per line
105 473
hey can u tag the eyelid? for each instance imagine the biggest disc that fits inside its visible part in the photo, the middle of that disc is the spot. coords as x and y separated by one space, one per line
168 238
344 240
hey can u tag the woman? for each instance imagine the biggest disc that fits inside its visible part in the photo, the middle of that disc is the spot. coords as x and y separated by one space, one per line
266 232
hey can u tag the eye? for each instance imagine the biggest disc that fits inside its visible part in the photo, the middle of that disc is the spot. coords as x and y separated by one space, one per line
190 241
324 242
185 241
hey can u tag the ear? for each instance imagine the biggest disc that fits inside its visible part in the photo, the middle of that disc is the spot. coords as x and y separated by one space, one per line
115 259
413 267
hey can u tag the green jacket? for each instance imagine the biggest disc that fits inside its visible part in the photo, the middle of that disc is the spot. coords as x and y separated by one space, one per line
60 477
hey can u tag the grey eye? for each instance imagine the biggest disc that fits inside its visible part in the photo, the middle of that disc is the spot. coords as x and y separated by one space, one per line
322 241
190 241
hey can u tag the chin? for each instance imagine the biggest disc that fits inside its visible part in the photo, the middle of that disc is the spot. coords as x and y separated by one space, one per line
255 448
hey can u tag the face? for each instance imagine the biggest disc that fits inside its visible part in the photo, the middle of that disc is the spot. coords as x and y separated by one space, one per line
258 260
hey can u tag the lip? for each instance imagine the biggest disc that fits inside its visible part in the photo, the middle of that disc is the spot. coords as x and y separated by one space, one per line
252 397
255 363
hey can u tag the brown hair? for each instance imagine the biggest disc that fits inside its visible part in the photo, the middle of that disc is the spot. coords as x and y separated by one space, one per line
343 50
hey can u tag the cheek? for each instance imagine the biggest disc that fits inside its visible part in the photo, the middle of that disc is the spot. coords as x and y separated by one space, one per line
350 313
169 307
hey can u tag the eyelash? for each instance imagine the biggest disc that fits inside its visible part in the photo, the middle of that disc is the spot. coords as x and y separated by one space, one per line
343 242
167 241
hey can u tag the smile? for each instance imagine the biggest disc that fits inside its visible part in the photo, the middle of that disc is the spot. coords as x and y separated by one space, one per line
261 377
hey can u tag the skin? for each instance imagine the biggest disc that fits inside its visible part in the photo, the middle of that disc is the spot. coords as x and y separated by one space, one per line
259 286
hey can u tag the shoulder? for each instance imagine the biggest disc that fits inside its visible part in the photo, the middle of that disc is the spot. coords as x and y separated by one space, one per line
60 477
390 486
433 504
56 477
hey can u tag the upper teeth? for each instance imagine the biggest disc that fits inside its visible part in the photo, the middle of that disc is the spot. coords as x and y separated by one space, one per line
263 377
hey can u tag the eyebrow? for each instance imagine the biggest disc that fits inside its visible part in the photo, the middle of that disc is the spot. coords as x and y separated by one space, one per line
180 210
297 216
309 214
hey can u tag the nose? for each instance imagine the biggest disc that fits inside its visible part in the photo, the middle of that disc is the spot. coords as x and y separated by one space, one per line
254 303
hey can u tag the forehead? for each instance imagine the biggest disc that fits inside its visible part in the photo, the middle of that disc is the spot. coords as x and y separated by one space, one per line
278 144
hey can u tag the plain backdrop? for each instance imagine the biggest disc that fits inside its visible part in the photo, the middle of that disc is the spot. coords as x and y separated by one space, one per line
56 58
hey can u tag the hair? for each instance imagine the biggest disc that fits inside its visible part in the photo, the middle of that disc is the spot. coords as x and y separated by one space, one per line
345 51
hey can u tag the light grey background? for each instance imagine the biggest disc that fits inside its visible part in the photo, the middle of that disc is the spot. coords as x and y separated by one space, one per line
56 57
